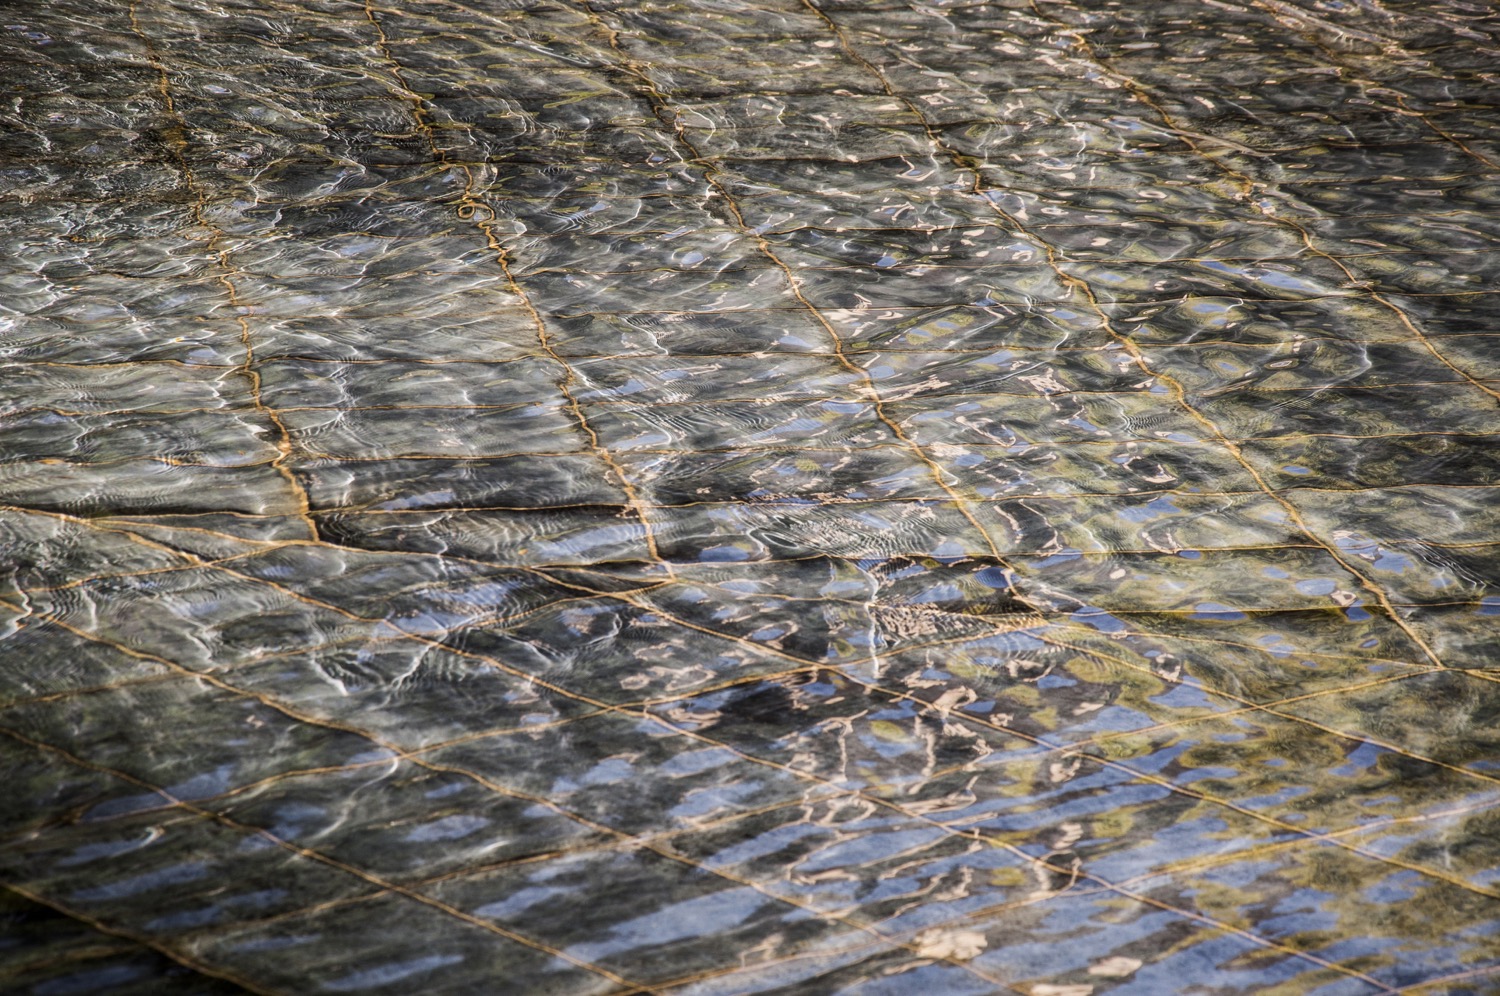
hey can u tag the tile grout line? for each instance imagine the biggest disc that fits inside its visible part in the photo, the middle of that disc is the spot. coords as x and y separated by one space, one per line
1179 392
225 277
473 208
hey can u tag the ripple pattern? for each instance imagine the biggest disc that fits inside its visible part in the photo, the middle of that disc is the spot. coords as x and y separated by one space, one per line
721 497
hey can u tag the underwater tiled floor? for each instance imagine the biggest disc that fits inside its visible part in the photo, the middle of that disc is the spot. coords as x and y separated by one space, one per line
701 496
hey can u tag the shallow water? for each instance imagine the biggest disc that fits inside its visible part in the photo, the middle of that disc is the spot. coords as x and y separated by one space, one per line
511 496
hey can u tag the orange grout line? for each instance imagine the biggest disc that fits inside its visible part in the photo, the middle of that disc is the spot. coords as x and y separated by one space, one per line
471 207
177 139
319 857
1180 394
165 950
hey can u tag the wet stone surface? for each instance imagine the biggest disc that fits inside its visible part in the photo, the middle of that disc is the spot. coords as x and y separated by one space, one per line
708 497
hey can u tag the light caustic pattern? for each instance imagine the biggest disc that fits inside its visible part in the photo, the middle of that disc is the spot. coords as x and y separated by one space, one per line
699 496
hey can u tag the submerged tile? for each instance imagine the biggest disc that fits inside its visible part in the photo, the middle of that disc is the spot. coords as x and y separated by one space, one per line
587 496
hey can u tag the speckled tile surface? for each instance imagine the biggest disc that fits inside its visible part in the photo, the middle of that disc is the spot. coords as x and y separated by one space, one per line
710 497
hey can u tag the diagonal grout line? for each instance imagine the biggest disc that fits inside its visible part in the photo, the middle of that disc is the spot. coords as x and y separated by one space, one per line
625 838
807 776
48 697
806 665
1175 870
1143 95
662 109
1261 648
693 735
1366 738
74 957
146 572
1132 772
631 599
166 951
822 954
394 633
353 899
971 166
193 562
473 776
1076 748
817 779
134 531
333 862
1072 748
1192 865
509 617
178 140
1283 12
911 933
1169 871
1477 973
1173 787
397 754
324 859
885 942
472 208
619 841
1075 872
1043 620
397 633
1251 706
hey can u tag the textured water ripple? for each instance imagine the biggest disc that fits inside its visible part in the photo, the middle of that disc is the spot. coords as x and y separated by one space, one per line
594 496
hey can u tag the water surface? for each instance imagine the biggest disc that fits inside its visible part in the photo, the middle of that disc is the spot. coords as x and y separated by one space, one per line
693 496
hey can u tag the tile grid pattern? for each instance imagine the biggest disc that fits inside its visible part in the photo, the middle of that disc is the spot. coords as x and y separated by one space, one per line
642 624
